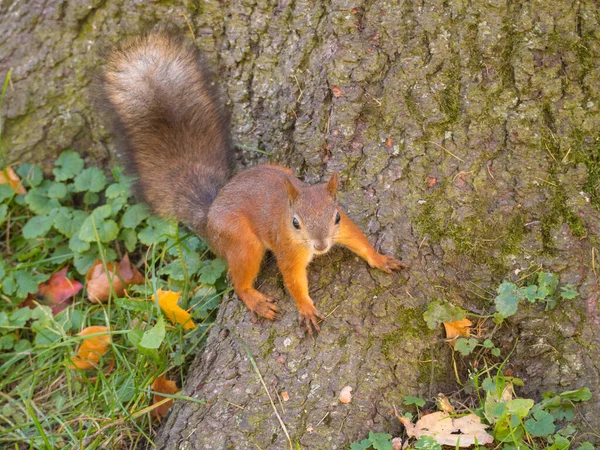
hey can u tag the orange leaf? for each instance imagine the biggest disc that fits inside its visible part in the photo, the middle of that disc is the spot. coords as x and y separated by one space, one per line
92 348
168 303
337 91
8 176
458 328
166 386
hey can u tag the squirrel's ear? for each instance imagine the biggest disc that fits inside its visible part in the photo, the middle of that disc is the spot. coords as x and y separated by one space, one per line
292 191
332 184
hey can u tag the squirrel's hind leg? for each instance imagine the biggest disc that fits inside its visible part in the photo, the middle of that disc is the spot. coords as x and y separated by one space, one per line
244 257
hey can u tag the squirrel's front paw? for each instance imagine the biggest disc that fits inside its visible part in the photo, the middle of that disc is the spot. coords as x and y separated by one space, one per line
267 308
308 318
389 263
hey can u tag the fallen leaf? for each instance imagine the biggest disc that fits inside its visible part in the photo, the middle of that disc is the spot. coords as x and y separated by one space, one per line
461 431
98 282
164 385
346 395
8 176
388 142
55 292
397 443
444 404
431 181
92 348
337 91
168 303
285 396
457 328
130 273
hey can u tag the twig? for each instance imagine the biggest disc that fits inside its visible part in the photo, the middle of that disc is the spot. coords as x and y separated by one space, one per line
446 150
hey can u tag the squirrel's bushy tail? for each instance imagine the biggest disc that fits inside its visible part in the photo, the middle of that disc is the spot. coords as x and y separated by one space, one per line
170 124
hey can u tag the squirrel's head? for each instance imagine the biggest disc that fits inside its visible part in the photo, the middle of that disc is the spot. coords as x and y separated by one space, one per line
314 217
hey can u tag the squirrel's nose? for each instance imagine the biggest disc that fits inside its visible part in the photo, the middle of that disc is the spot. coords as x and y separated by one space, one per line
320 245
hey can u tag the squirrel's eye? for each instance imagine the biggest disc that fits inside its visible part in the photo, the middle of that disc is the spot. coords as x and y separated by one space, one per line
296 223
337 218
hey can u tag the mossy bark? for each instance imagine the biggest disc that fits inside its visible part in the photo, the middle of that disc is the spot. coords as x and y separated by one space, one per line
467 135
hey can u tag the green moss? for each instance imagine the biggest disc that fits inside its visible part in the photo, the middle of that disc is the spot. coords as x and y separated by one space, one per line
269 344
450 95
410 325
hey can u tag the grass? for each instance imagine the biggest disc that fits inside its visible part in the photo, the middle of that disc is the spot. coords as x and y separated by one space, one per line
57 224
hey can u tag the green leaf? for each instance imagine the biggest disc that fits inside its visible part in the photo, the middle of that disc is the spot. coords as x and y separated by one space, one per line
528 293
19 317
91 179
212 271
547 284
129 237
84 261
107 230
410 400
438 312
156 231
586 446
69 222
30 175
541 424
496 352
3 213
560 443
67 166
507 301
488 343
135 305
427 443
135 215
116 204
37 226
578 395
27 282
91 198
465 346
135 337
380 441
362 445
77 245
153 337
568 292
57 190
116 190
489 385
39 203
5 192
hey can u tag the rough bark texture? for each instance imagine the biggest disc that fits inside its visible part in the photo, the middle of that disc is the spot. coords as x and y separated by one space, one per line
467 135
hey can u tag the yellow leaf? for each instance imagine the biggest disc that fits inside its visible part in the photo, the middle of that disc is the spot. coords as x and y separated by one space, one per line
457 328
92 348
168 303
8 176
456 432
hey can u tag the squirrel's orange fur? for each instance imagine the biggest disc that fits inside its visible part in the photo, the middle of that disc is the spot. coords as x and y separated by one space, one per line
175 135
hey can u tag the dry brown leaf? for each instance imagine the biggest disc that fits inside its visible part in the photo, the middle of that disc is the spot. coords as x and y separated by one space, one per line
285 396
168 303
461 431
92 348
458 328
98 282
9 176
164 385
346 395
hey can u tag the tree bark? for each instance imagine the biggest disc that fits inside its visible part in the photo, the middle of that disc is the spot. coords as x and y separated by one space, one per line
467 136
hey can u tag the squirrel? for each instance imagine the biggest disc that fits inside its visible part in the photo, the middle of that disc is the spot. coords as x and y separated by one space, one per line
174 132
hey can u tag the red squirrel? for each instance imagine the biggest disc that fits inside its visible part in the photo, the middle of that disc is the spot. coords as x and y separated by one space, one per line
175 136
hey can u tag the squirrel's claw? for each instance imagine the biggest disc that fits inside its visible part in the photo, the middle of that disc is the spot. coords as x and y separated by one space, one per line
390 263
267 309
309 320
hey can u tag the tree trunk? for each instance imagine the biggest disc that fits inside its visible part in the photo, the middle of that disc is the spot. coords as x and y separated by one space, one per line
467 136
